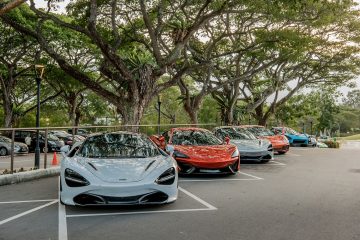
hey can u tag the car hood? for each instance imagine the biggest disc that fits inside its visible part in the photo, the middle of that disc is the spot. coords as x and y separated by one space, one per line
301 136
251 145
20 144
276 138
121 170
215 152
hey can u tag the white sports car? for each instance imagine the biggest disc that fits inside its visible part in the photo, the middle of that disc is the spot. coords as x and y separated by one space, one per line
119 168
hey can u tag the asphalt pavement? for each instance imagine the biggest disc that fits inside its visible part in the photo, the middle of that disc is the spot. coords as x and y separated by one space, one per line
309 193
25 161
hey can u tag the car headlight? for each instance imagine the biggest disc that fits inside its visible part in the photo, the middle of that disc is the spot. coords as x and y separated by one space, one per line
178 154
167 178
17 147
74 179
270 148
235 153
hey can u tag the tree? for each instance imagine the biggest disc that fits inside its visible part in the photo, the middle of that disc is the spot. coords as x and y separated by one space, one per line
17 57
353 99
137 43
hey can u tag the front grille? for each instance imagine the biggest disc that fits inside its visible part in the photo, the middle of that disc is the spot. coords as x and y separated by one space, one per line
93 199
266 157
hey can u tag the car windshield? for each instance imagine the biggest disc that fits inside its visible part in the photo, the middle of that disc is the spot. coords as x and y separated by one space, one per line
117 145
259 131
291 131
194 137
5 139
235 133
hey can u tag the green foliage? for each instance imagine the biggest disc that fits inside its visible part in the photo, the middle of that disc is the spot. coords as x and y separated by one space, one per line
209 113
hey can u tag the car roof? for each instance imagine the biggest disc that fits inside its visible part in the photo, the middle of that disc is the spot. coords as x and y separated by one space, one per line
241 126
250 126
189 129
116 132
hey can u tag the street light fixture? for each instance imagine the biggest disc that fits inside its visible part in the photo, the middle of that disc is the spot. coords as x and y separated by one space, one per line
39 72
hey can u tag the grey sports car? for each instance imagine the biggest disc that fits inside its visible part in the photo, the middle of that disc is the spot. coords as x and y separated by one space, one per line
5 147
250 148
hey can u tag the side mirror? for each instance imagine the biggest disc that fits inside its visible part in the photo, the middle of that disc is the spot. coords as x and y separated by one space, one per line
170 149
65 149
227 140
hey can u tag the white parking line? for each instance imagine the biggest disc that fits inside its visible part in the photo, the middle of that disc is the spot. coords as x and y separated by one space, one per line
253 178
208 205
27 212
220 180
247 174
29 201
139 212
273 162
62 220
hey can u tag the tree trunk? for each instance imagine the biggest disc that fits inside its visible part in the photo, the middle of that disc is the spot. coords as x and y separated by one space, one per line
8 116
132 114
193 114
7 89
260 116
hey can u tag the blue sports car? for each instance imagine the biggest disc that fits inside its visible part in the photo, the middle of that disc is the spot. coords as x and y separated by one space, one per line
295 138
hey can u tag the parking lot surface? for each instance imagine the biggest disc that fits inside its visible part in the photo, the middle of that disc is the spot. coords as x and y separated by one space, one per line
306 194
25 161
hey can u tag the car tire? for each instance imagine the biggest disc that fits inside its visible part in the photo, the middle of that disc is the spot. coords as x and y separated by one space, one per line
3 151
281 153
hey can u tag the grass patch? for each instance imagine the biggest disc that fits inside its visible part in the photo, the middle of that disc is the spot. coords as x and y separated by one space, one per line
353 137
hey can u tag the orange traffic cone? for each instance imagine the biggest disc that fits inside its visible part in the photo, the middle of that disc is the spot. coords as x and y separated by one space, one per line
54 161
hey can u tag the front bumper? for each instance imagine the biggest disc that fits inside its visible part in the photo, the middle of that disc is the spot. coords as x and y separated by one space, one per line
188 166
281 148
98 192
257 156
138 193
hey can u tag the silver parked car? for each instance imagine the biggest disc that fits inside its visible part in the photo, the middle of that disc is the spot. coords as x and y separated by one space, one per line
250 147
5 147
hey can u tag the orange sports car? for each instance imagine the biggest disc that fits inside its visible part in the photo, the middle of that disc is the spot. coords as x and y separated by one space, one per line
279 142
198 150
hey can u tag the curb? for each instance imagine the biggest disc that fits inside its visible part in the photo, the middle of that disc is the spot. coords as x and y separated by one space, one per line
28 176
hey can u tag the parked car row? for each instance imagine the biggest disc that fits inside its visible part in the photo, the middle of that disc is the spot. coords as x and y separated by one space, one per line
125 168
255 142
25 141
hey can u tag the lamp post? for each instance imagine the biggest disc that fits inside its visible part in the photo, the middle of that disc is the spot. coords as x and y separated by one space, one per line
39 71
311 125
159 112
303 127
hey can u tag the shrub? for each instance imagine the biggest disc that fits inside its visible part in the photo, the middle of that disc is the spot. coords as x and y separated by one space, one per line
332 144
